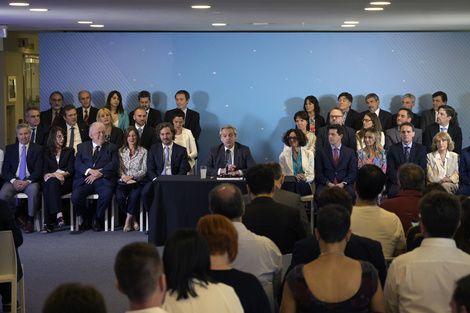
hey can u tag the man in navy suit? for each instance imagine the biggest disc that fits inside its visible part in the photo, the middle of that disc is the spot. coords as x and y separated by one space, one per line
336 165
75 132
408 102
430 116
464 172
403 152
39 132
230 154
147 133
191 120
96 171
153 116
336 116
22 170
385 118
86 114
444 117
51 117
352 118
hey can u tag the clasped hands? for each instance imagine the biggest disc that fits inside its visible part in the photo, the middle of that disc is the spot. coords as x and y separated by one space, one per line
57 175
20 185
93 175
128 179
232 170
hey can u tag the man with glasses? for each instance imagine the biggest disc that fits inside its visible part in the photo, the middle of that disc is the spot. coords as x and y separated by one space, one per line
349 135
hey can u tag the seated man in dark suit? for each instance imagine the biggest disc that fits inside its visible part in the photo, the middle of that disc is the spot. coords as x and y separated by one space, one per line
444 117
335 165
153 116
464 172
51 117
349 134
430 116
191 120
373 102
75 132
39 132
86 114
266 217
165 158
359 248
96 172
408 102
147 133
392 135
230 153
352 118
403 152
22 170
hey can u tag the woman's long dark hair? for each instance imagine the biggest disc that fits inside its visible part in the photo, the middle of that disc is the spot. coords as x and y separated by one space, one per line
50 145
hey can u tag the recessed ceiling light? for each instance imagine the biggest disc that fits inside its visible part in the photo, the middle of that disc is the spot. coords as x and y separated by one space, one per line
348 25
19 4
96 25
219 24
380 3
200 6
374 9
260 24
39 10
351 22
85 22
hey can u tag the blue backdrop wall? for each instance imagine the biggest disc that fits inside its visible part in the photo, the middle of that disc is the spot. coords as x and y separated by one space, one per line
257 81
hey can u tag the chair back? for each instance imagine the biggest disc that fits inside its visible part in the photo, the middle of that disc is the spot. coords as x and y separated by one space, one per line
8 255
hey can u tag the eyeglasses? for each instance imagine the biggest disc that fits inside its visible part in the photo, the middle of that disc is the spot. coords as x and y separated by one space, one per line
292 138
366 120
336 116
59 136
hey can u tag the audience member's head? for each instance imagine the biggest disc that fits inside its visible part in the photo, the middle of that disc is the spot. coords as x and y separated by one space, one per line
260 180
438 98
139 275
345 100
369 182
312 100
294 134
114 102
276 168
74 298
433 187
442 140
462 236
226 199
461 298
439 214
186 258
408 101
56 99
333 223
32 116
410 177
220 234
334 195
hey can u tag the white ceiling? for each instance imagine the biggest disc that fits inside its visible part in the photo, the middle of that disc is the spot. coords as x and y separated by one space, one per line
282 15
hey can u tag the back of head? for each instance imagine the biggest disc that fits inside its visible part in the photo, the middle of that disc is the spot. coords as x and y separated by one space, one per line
335 195
186 257
226 200
220 234
369 182
462 236
462 294
411 176
440 214
276 168
260 179
74 298
333 223
433 187
138 268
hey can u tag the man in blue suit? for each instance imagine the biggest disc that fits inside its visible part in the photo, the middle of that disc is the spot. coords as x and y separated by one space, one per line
22 171
336 165
96 169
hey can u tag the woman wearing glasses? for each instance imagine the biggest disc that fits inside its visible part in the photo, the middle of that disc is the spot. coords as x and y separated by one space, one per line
369 120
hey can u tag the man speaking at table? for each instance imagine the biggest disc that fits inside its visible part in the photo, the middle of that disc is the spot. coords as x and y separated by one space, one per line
229 155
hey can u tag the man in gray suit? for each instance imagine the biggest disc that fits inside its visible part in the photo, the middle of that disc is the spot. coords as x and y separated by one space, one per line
291 199
392 135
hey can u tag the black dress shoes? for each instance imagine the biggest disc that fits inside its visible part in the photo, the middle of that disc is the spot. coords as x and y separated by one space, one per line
96 225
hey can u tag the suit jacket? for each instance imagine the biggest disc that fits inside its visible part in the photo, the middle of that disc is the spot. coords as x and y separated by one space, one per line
396 157
191 121
349 138
353 120
429 117
358 248
435 171
416 120
107 160
92 113
216 159
464 167
326 171
454 132
46 117
291 199
392 136
153 118
117 137
34 162
42 132
66 162
308 163
149 137
82 128
156 162
385 119
278 222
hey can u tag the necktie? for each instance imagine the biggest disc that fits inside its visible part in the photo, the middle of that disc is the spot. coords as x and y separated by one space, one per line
72 137
407 154
22 173
443 129
227 156
95 154
335 159
140 132
85 118
33 134
56 117
166 160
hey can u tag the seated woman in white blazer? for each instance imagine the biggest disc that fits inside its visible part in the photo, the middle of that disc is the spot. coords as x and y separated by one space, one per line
298 161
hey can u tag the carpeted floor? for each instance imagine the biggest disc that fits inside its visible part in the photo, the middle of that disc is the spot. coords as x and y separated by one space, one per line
84 257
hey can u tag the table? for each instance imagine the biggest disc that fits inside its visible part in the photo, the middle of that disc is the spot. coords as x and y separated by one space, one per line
180 201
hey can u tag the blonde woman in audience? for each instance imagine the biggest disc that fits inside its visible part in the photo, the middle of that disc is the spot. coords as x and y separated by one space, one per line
443 164
373 151
113 134
184 137
120 118
189 287
368 121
